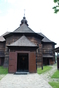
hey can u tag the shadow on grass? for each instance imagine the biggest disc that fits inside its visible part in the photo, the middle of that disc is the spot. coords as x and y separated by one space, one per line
45 69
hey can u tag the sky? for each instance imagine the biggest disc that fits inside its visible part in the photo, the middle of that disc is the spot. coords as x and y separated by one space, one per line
39 14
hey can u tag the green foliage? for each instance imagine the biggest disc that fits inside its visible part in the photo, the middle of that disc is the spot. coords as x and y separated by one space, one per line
45 69
56 74
56 8
3 70
54 84
55 1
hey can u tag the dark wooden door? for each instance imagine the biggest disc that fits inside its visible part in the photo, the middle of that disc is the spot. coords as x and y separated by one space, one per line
22 62
12 62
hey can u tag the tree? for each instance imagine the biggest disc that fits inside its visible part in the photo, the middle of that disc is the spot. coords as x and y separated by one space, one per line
56 8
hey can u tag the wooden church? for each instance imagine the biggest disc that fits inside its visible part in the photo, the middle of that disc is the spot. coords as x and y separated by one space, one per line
24 50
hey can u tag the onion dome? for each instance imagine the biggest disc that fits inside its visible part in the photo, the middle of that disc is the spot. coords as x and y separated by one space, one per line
24 21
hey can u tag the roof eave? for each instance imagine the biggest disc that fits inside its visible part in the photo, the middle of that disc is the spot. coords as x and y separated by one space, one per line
56 49
21 46
2 41
49 42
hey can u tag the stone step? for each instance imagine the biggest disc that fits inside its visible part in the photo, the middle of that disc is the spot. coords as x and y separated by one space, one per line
21 73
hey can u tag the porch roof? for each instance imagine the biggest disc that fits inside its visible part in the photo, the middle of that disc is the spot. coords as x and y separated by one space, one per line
56 49
24 42
47 56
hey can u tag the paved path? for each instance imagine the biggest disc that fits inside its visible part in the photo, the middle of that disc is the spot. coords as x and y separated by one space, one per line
23 81
47 75
1 76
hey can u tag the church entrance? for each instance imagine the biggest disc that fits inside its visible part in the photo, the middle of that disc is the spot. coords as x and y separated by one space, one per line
22 62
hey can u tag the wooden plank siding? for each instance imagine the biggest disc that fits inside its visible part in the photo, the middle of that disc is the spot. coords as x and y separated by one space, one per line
48 50
2 53
43 48
12 62
2 46
33 39
32 62
58 62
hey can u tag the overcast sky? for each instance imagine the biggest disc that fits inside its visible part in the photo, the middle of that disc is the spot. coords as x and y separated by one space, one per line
39 14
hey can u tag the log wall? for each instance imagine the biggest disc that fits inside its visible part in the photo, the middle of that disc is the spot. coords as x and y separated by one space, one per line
2 52
48 50
33 39
43 48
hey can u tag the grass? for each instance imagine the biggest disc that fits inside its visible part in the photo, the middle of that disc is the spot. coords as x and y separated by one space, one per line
56 74
54 84
3 70
45 69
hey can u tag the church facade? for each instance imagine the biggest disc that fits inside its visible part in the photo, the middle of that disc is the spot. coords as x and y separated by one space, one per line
25 50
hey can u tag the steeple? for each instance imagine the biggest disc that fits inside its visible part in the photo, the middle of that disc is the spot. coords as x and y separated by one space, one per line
24 21
24 12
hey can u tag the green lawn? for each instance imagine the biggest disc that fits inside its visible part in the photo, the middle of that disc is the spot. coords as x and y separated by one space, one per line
54 84
3 70
56 74
45 68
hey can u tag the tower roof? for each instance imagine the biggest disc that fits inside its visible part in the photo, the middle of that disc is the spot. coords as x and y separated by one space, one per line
24 29
24 21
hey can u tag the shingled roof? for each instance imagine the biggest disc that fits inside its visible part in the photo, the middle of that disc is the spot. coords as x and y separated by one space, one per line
6 33
23 41
45 39
56 49
2 39
23 29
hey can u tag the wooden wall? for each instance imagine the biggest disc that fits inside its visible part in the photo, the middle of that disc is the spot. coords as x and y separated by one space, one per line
32 62
58 62
43 48
2 46
33 39
2 52
13 61
48 50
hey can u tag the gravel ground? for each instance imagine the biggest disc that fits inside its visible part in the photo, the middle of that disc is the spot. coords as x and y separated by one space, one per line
24 81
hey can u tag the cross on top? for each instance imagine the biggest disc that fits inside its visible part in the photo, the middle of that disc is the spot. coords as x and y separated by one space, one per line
24 12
